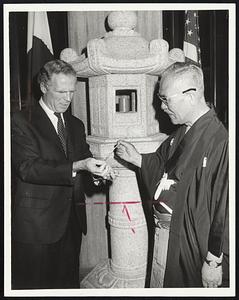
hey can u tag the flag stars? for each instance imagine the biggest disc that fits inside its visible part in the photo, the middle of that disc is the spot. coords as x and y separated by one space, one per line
192 40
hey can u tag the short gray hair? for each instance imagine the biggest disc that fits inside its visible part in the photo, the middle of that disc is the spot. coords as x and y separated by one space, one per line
179 69
54 67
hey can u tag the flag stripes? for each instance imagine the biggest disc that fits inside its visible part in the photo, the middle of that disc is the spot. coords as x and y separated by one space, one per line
191 44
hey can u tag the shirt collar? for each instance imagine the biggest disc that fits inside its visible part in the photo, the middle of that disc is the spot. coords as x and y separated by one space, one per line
46 108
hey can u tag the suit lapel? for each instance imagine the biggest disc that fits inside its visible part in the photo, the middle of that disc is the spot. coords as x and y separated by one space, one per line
188 145
69 136
44 125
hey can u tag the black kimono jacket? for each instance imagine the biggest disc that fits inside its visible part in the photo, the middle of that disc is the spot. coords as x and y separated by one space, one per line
198 162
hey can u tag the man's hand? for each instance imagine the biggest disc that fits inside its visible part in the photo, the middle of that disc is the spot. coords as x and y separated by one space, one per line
211 276
96 167
108 173
128 152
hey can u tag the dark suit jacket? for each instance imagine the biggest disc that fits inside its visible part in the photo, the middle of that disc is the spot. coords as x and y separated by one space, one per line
45 186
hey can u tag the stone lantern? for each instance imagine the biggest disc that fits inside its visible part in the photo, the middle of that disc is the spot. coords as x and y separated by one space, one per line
123 69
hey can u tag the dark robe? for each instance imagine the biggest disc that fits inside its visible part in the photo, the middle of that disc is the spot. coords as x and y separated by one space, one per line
198 162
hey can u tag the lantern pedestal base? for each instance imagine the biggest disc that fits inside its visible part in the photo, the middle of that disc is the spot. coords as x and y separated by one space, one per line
103 276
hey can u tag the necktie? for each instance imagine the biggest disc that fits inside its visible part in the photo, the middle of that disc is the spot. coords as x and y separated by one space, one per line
61 130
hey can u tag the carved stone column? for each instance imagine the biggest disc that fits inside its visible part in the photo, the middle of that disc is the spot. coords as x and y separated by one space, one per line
128 232
111 121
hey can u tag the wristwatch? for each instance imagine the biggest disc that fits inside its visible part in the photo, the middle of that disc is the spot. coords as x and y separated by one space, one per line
212 263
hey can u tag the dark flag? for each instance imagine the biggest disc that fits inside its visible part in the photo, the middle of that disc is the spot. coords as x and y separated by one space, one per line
191 44
15 82
39 51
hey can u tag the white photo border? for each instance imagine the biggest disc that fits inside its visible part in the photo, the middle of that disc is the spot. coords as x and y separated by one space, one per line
148 292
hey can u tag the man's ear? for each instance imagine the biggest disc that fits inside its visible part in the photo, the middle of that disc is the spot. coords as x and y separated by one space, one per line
43 87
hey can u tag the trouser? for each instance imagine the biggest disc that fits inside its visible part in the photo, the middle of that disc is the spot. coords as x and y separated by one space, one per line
162 223
53 265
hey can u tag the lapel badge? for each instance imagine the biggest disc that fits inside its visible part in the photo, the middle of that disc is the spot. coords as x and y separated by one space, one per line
204 164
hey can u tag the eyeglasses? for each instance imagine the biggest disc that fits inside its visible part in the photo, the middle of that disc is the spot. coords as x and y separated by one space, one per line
165 99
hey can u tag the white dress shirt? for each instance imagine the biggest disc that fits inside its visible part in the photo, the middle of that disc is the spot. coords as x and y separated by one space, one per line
50 114
53 118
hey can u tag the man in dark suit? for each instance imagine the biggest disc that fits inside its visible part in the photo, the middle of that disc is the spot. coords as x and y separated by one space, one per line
49 157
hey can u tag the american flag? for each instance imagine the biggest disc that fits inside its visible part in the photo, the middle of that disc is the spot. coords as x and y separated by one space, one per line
191 44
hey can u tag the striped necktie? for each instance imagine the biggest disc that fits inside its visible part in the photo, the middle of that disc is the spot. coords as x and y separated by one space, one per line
61 130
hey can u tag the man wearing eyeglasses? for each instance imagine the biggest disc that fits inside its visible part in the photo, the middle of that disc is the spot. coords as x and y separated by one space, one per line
187 181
